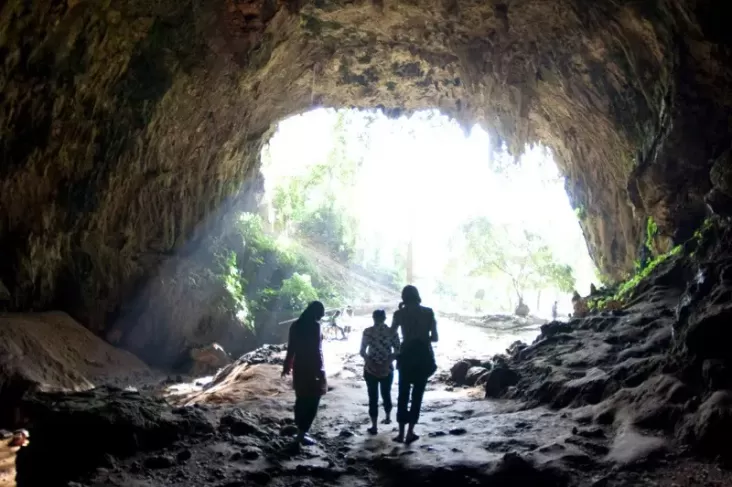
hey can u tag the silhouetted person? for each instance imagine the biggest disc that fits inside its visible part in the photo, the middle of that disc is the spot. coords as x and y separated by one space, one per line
379 348
416 360
305 360
554 311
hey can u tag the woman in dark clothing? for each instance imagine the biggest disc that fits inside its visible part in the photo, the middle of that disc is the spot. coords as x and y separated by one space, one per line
416 360
379 348
305 360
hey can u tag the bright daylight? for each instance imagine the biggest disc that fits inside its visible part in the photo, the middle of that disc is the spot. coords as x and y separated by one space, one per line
417 200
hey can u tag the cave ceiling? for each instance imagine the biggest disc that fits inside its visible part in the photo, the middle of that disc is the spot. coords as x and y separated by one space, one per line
131 129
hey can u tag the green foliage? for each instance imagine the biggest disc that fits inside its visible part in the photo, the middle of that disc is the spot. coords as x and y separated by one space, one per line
602 278
703 229
314 205
262 276
521 256
626 289
651 232
333 229
297 291
580 212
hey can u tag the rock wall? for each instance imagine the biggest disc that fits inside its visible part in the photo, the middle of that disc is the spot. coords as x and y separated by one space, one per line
659 366
131 130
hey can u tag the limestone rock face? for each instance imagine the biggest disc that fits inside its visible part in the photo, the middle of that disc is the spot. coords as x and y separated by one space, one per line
131 131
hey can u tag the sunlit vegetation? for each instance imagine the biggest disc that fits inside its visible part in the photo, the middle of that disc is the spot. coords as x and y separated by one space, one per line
503 252
625 291
364 189
265 280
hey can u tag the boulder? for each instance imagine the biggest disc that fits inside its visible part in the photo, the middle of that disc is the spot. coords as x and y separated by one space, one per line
515 348
554 328
74 433
498 380
476 376
709 335
459 371
514 469
51 352
708 431
522 310
208 360
242 423
590 389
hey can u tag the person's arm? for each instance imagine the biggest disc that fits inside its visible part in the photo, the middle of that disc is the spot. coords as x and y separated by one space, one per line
395 345
395 324
364 344
320 352
290 357
433 327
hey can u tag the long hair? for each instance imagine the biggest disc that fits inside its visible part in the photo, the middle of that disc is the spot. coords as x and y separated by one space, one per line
314 312
410 296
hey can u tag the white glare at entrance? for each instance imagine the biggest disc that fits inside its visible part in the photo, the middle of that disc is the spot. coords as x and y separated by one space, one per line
421 179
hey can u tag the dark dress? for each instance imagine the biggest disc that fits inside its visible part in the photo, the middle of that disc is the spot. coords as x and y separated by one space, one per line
305 359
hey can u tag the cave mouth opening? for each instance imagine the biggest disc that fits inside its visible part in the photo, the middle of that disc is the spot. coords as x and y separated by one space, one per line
419 199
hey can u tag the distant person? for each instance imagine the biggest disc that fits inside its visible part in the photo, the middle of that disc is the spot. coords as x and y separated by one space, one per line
305 360
334 328
554 311
379 348
416 359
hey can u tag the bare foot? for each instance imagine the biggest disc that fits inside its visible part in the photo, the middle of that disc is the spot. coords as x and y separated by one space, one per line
399 438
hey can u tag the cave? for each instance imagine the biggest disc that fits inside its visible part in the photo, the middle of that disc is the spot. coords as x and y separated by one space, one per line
131 137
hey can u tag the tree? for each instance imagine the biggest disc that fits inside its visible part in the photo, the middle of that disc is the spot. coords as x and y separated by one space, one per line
316 204
518 255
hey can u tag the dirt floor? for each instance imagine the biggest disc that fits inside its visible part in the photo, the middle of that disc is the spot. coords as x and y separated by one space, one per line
235 430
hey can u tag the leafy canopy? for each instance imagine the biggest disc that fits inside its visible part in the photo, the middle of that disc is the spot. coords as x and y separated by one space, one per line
517 254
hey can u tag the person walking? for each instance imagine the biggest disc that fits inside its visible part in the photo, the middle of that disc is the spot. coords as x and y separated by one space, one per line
416 359
379 348
305 360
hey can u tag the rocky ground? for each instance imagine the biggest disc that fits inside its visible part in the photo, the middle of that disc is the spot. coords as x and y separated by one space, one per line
587 407
637 396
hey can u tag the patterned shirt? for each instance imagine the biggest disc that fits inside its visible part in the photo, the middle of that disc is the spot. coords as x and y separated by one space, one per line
376 349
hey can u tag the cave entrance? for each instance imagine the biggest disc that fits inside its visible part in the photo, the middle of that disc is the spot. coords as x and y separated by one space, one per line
359 203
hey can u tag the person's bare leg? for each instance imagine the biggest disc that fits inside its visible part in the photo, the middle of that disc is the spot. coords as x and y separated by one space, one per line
374 429
411 436
400 437
414 410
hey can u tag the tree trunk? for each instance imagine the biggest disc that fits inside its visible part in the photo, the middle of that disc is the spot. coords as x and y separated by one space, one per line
410 262
538 300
